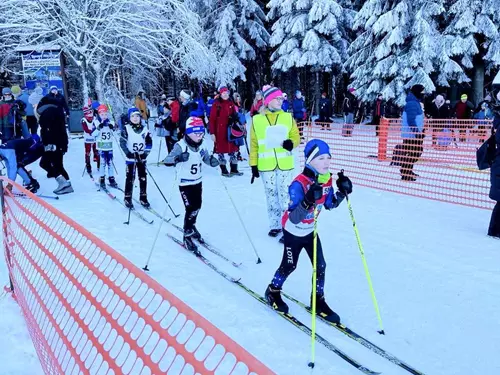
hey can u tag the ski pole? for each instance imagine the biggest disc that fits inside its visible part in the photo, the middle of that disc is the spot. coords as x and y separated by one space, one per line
165 199
145 268
365 265
112 162
159 150
241 221
314 287
84 167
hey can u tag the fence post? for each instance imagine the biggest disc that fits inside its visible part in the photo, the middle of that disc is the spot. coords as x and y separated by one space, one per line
383 135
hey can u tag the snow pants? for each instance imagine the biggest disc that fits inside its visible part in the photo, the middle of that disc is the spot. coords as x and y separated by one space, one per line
89 148
130 177
106 161
292 249
191 197
412 150
494 229
276 188
52 162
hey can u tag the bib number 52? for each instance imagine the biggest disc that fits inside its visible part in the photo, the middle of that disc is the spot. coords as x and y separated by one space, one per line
138 147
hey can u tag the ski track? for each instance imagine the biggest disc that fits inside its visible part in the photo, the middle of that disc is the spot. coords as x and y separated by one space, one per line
435 273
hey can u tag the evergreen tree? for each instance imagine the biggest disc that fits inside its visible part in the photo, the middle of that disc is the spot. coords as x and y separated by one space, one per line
396 47
309 33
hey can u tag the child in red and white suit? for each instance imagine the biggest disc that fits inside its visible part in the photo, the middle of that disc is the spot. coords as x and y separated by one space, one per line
89 126
311 191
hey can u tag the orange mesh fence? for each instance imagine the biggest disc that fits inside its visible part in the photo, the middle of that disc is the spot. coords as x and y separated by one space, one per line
90 311
440 166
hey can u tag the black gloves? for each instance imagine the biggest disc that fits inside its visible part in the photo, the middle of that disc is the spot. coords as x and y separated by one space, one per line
288 145
255 173
130 155
314 193
214 162
344 184
183 157
100 126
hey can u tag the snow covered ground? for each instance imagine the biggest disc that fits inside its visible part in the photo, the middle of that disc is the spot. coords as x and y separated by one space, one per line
434 270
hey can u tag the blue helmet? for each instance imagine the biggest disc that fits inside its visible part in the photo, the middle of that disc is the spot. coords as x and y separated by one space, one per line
315 148
132 111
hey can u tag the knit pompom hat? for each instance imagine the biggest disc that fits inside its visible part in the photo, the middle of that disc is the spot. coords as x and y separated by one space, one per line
271 93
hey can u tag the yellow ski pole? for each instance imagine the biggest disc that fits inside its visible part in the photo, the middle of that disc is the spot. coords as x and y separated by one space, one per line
365 265
314 282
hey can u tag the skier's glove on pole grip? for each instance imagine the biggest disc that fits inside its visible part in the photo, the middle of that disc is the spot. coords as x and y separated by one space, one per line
314 193
344 184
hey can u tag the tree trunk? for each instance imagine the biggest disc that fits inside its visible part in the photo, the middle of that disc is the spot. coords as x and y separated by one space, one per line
99 87
85 87
478 80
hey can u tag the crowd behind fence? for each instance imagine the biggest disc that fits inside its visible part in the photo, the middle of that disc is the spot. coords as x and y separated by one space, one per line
444 160
90 311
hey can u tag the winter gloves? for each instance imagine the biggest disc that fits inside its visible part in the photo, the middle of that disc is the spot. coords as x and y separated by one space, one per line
288 145
182 158
214 162
255 173
344 184
314 193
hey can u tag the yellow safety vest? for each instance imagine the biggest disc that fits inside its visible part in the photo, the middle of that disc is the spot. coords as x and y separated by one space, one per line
270 158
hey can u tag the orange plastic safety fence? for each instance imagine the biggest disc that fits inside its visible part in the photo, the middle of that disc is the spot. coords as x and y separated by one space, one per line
440 164
90 311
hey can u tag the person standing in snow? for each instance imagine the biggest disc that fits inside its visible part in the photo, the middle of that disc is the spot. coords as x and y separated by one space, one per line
190 153
34 99
140 103
136 143
104 140
55 139
325 111
55 98
274 134
463 111
188 108
222 116
257 104
412 132
438 110
309 193
31 121
378 112
494 228
89 126
286 104
350 108
299 110
12 112
242 119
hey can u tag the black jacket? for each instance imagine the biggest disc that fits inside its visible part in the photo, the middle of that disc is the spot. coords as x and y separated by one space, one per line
495 168
57 100
185 113
53 126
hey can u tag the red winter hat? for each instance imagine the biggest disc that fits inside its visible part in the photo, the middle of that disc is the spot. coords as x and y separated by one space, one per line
223 89
102 108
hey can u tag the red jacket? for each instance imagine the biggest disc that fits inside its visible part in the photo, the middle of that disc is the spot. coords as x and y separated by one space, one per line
255 107
220 114
175 108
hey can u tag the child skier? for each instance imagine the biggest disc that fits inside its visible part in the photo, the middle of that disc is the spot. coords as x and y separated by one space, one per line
190 152
89 126
311 190
136 143
104 134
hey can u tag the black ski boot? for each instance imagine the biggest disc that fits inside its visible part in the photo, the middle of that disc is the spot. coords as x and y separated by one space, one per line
234 170
274 232
225 172
323 310
273 297
102 182
89 169
196 234
188 241
144 201
112 182
282 240
33 186
128 201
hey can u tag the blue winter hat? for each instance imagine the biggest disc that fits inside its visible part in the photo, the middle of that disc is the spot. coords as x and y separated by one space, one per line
315 148
133 111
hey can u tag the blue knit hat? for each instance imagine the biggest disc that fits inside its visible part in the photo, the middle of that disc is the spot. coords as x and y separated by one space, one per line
132 111
315 148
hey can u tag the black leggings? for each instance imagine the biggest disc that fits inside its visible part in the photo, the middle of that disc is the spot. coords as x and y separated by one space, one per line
130 177
52 162
494 229
292 248
191 196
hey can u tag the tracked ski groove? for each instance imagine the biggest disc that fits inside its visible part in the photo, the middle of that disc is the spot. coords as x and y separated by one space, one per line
288 317
360 339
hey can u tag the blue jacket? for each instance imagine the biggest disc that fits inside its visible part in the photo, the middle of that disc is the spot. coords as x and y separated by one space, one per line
209 105
286 105
495 167
30 111
20 152
413 118
298 108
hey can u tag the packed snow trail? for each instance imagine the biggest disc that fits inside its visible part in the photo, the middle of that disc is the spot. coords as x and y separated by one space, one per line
434 270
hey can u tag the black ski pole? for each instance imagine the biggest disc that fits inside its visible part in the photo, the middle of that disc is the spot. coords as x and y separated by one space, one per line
165 199
128 220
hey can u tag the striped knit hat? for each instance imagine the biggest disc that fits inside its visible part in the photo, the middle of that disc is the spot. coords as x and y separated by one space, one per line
271 93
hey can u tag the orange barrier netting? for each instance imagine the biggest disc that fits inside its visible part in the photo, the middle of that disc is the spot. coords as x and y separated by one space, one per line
90 311
441 166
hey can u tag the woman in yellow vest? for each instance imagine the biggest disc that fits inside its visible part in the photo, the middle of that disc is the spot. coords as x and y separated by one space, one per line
274 134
